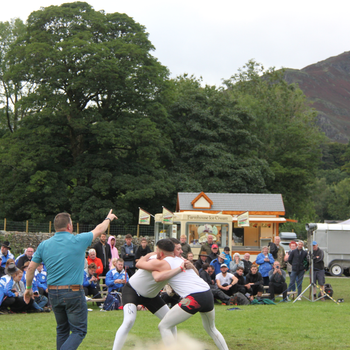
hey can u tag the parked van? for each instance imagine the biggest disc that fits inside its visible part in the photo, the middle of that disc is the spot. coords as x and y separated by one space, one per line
286 238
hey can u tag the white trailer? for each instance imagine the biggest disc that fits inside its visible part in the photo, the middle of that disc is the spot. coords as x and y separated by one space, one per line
334 240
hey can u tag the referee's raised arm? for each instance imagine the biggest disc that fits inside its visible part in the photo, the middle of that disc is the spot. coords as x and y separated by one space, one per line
102 227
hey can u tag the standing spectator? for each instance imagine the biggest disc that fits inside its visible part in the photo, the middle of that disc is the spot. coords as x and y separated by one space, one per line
142 250
63 256
319 275
292 246
92 258
228 258
236 262
103 252
277 251
206 247
247 263
254 282
27 256
5 255
114 250
117 278
265 261
127 253
298 260
186 248
277 282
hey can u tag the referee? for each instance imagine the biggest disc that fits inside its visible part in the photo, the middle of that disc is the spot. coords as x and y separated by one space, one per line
64 256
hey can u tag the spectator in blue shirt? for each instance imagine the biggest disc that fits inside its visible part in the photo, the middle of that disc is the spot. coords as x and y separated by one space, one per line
64 256
117 277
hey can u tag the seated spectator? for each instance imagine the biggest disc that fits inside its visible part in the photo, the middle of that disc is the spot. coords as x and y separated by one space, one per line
247 263
114 250
190 258
117 277
93 259
90 283
127 253
277 282
217 262
228 258
254 282
265 260
225 280
217 293
186 248
236 262
5 255
9 296
214 252
203 258
27 256
240 285
40 300
142 250
41 278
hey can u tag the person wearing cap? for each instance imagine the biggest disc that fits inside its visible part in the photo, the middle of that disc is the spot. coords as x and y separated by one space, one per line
319 274
235 263
214 252
203 258
226 280
5 255
206 247
228 258
216 263
63 256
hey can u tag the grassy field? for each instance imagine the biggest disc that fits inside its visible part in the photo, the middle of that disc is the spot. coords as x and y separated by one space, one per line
300 325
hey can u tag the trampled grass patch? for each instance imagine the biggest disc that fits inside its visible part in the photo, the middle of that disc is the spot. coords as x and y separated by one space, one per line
302 325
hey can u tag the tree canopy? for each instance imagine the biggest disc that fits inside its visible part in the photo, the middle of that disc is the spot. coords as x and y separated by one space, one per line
90 120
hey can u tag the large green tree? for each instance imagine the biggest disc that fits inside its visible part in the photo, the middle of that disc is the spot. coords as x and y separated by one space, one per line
213 147
11 90
285 125
91 139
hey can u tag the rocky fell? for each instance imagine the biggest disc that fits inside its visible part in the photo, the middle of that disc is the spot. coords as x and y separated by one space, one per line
327 86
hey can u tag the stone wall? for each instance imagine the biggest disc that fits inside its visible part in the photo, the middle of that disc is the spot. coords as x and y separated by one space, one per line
21 240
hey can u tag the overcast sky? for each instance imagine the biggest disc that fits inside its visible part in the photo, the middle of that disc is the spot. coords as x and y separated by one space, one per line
213 39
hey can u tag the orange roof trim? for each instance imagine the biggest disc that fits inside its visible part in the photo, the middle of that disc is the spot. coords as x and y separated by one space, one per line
201 195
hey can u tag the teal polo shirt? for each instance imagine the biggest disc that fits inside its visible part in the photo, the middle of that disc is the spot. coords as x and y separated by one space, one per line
64 257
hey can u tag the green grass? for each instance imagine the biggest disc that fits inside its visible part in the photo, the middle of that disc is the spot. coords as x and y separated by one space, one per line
302 325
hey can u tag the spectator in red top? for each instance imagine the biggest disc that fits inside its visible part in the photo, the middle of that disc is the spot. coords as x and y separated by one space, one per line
98 262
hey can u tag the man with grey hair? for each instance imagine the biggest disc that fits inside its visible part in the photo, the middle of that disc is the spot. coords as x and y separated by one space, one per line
277 251
92 258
